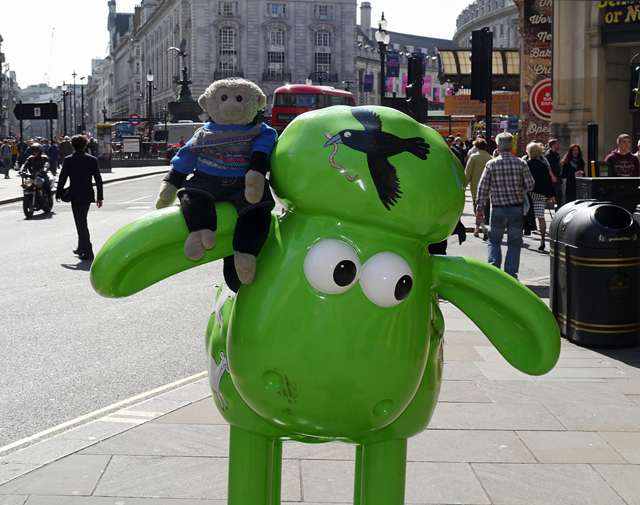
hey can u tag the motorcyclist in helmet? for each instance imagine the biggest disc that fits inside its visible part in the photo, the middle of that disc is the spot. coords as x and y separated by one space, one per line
38 162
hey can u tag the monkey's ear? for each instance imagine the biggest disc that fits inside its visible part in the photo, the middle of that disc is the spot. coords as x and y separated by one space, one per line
262 101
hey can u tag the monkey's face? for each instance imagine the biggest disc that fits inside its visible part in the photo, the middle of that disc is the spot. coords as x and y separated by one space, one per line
231 104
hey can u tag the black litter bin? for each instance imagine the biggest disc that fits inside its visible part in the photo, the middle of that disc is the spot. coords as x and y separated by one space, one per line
595 274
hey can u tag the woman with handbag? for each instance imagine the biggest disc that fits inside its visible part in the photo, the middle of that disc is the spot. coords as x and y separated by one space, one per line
543 189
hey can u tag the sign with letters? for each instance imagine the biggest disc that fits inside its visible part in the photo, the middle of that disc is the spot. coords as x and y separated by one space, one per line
535 82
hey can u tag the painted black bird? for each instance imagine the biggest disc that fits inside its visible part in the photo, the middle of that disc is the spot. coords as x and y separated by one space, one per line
379 146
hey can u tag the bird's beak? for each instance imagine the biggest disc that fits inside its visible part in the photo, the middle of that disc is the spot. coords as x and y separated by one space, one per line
334 140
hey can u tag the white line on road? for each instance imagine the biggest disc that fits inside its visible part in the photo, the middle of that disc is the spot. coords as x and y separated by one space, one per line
100 411
138 199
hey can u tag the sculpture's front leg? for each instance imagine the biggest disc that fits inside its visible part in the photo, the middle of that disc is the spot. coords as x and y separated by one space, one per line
254 473
382 476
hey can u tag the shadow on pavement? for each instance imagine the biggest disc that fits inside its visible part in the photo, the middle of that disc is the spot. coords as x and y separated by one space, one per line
40 216
540 291
82 265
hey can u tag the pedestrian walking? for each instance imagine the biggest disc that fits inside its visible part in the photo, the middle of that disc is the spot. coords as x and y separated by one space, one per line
14 153
507 178
622 161
473 172
553 158
55 156
80 168
638 153
543 189
572 166
5 150
65 149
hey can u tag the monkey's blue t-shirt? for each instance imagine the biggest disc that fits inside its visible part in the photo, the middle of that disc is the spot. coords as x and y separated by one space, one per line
224 150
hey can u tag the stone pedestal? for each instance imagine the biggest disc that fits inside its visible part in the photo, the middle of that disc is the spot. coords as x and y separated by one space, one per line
185 110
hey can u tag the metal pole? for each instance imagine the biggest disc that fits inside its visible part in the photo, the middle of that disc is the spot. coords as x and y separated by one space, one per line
51 122
64 106
21 132
82 118
149 114
382 83
73 130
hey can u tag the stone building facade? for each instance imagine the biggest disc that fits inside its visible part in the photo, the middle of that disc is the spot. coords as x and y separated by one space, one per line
500 16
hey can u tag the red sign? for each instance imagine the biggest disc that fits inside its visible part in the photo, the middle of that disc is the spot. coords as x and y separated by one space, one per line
540 100
133 118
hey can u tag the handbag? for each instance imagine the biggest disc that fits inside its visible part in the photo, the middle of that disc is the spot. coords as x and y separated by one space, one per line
67 195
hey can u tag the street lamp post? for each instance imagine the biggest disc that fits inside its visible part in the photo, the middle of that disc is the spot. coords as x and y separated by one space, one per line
64 106
73 130
149 105
82 102
104 114
382 38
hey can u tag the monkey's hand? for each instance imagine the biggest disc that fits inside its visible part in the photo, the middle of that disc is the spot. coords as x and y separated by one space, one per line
166 196
254 186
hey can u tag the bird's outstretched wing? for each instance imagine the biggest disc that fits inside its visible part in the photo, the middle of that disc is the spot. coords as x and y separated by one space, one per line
385 178
367 118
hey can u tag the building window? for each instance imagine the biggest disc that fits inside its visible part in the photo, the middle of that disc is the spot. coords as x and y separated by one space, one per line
227 8
323 11
276 10
322 53
501 30
228 52
275 52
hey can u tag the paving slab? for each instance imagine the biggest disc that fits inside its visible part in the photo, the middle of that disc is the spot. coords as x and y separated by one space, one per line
168 440
462 392
200 412
513 484
597 417
570 447
438 483
101 500
461 353
464 337
461 371
493 416
13 500
625 479
328 451
73 475
327 481
467 446
627 444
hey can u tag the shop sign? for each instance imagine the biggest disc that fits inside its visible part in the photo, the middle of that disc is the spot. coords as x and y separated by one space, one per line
536 101
462 105
620 12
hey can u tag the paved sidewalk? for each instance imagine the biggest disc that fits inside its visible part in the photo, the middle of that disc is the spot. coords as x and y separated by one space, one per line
497 437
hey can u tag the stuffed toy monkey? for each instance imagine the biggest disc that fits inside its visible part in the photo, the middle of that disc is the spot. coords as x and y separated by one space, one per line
229 159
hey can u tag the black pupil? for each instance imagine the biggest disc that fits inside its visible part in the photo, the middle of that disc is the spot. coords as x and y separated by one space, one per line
224 98
344 273
403 287
239 98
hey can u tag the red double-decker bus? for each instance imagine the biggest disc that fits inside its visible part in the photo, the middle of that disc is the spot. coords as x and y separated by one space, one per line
292 100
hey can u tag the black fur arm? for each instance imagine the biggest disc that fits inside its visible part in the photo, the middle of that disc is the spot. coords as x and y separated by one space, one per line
259 162
175 178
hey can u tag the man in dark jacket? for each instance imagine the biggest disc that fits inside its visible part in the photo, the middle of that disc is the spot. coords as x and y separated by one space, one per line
65 149
80 168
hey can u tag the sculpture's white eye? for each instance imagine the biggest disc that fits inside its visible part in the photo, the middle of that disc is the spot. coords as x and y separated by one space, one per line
332 266
386 279
347 134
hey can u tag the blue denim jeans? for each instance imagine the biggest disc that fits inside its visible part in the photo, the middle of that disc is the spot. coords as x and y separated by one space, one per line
511 220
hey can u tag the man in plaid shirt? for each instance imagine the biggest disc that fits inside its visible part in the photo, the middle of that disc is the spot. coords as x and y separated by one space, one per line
507 178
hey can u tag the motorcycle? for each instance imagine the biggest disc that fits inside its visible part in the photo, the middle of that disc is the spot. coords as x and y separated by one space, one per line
38 191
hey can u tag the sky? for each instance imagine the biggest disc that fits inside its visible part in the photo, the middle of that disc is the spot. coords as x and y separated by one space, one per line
49 41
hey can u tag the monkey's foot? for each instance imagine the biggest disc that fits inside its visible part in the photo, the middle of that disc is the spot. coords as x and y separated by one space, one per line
254 186
245 266
197 244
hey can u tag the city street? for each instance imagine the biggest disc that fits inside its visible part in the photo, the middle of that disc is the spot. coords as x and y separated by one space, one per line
66 351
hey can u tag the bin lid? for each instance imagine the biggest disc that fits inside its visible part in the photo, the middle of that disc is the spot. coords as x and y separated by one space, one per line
595 225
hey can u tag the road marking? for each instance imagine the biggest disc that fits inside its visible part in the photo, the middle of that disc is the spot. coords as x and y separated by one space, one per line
100 411
138 199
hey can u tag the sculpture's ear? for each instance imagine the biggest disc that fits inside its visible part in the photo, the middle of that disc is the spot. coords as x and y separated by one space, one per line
152 248
514 319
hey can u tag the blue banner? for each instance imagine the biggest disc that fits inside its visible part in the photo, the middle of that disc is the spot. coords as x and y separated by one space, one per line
368 83
393 64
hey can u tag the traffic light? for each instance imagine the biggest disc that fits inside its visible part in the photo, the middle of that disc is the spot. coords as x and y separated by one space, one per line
414 87
634 97
481 64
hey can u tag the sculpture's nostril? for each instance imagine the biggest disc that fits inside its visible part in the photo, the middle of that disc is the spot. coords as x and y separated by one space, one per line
383 408
273 381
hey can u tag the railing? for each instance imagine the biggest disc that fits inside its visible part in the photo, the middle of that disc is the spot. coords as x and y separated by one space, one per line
224 74
270 75
324 77
149 151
